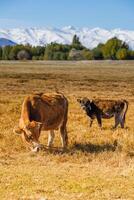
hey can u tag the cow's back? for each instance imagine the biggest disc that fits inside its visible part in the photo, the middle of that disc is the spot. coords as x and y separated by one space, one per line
49 109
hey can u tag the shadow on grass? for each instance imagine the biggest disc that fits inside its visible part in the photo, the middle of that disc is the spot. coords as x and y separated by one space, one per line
95 148
84 148
114 129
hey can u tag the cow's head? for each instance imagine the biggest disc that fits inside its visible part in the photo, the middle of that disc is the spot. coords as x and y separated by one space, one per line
32 128
85 103
30 133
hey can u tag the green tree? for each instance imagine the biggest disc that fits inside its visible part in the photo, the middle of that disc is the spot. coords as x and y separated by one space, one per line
6 52
56 55
76 40
111 47
0 53
17 48
37 52
14 51
56 51
97 52
131 54
122 54
48 52
87 54
76 44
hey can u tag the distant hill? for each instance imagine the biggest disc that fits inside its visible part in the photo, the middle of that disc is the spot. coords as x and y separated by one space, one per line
6 42
88 37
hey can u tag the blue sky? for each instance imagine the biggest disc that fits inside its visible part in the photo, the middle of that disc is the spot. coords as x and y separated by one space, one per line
107 14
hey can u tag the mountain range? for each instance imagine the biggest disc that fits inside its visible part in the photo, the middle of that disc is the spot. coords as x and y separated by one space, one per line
41 36
5 42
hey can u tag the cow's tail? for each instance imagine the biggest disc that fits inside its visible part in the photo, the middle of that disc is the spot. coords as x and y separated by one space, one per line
66 108
25 112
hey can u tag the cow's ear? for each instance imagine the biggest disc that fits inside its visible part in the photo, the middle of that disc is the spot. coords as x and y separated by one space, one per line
32 124
17 130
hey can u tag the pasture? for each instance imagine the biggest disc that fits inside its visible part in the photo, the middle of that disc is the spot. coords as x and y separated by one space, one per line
98 164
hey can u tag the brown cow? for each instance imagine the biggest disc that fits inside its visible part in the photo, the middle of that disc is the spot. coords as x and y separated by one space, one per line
43 112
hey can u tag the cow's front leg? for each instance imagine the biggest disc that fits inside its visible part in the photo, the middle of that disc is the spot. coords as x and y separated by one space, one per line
51 138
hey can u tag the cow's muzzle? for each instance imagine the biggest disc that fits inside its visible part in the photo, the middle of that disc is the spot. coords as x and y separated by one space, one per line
37 147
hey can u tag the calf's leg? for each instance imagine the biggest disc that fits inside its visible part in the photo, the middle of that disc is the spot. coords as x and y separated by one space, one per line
99 120
117 120
122 121
91 122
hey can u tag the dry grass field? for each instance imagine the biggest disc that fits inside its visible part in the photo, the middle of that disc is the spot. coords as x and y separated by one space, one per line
98 164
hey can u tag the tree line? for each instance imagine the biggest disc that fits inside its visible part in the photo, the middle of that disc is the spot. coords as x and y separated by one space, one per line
113 49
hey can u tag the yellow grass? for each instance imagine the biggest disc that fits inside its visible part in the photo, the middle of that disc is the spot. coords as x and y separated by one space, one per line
98 164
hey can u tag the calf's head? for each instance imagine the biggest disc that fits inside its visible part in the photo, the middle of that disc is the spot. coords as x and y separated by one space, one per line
85 103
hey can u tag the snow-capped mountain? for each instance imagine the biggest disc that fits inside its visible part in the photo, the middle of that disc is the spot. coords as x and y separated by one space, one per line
89 37
6 42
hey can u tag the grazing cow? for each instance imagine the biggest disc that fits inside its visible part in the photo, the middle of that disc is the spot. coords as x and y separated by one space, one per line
43 112
105 109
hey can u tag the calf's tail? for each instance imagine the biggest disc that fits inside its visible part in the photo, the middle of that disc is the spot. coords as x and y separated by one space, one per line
124 111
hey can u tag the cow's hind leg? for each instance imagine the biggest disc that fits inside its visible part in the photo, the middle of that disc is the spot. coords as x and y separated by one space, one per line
64 136
51 138
63 129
